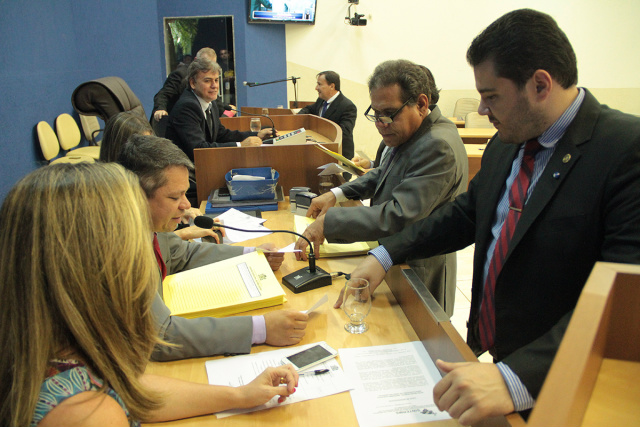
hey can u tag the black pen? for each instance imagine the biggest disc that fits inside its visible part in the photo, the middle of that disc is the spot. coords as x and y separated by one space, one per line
316 372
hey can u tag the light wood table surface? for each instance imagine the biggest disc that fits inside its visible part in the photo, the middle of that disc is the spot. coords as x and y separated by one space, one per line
387 325
476 135
474 155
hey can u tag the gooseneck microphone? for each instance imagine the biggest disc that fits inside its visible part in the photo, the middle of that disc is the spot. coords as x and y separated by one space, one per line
302 280
273 125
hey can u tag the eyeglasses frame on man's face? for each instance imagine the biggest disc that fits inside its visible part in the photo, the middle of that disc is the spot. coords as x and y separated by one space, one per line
384 119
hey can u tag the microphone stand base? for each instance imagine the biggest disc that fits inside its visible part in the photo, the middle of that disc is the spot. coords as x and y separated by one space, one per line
303 280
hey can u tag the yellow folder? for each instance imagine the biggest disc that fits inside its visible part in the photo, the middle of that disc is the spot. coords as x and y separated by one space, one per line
222 288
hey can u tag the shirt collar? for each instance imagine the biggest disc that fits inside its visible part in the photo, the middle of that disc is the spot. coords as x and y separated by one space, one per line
203 104
551 136
333 98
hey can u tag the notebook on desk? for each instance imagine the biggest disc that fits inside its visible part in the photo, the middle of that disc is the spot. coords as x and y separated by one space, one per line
231 286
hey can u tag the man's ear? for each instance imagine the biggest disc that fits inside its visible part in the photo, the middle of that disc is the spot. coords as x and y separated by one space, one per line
423 102
543 83
192 83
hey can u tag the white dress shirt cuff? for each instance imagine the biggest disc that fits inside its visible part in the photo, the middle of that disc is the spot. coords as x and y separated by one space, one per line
248 250
382 256
259 335
519 394
340 197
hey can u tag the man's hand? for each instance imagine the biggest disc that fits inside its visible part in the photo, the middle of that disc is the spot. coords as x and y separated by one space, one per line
285 327
193 232
266 133
369 269
315 233
321 204
362 162
472 391
252 141
274 258
159 114
190 213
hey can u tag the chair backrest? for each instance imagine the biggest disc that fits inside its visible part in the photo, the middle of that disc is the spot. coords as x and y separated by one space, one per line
68 131
90 128
105 97
464 106
475 120
48 140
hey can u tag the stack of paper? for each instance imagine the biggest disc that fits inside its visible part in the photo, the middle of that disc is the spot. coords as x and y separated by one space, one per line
333 249
226 287
217 203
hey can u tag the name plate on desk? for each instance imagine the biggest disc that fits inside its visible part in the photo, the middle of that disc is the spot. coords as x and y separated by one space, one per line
297 137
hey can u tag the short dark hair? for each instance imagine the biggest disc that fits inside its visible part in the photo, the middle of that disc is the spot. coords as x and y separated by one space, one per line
148 156
523 41
331 77
435 92
411 78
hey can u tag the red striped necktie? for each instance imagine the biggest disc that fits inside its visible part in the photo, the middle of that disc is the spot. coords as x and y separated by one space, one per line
156 251
517 197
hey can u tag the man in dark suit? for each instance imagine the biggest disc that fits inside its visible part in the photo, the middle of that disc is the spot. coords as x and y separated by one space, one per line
194 121
334 106
575 164
173 87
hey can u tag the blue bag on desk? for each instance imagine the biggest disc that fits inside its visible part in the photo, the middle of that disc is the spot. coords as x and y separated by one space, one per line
261 189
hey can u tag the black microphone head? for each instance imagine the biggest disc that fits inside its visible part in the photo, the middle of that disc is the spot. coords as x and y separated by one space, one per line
227 107
203 222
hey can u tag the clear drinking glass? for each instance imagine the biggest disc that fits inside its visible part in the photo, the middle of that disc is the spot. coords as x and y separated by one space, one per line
265 111
356 305
255 125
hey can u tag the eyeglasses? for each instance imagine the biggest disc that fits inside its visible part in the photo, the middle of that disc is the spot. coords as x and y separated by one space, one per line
383 119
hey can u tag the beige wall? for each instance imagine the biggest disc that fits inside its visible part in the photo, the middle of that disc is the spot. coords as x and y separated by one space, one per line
437 34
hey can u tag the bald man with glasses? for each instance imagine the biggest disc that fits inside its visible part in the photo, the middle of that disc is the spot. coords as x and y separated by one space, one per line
425 167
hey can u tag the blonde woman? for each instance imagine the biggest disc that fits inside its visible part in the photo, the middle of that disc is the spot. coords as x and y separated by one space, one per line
77 280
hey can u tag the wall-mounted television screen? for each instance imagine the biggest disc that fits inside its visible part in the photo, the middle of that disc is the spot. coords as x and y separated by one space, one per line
282 11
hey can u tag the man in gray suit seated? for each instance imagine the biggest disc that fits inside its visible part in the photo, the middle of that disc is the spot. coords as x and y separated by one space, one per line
163 170
425 167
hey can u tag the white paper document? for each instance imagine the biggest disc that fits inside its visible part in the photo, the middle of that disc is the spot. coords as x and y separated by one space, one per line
321 301
392 384
239 370
235 218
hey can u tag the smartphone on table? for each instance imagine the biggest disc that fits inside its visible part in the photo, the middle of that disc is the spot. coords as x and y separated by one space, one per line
312 356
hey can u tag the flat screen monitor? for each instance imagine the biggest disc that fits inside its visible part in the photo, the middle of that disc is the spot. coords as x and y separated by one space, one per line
282 11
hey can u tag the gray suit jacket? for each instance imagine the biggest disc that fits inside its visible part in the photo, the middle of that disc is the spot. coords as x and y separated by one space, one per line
206 336
428 170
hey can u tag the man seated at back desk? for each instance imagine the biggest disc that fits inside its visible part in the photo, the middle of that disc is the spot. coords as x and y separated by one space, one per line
194 121
334 106
163 171
173 87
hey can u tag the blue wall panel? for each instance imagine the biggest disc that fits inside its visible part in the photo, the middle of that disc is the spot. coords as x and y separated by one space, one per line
260 50
50 47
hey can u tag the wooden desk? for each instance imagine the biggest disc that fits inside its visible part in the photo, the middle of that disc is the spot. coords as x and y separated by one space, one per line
457 121
388 325
474 155
297 164
476 135
272 111
594 378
